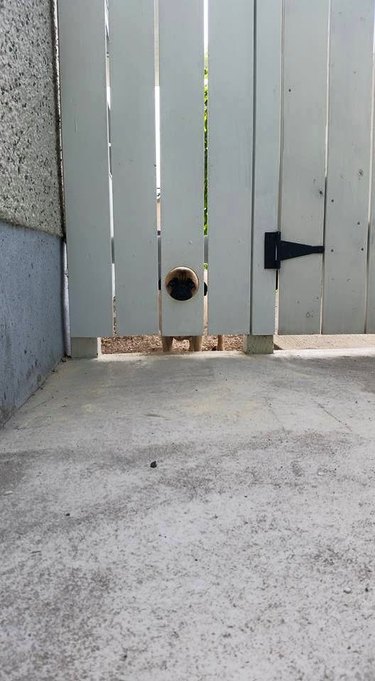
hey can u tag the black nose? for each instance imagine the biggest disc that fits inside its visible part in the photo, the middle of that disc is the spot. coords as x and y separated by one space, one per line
181 293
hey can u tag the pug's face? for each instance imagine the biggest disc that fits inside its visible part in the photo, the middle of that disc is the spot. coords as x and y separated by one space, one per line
182 283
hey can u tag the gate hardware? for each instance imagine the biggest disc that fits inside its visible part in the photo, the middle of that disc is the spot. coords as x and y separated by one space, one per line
276 250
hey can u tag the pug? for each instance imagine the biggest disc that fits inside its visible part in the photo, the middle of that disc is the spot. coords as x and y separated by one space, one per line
182 284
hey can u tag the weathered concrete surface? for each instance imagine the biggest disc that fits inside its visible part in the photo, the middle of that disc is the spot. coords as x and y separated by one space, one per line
29 167
31 314
247 554
317 342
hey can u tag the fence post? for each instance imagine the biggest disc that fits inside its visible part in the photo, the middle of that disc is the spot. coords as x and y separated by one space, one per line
258 345
85 348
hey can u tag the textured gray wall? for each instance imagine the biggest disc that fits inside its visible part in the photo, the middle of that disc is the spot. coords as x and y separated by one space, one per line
29 169
31 317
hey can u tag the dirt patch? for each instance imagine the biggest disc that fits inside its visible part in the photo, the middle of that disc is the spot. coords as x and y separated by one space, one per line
152 344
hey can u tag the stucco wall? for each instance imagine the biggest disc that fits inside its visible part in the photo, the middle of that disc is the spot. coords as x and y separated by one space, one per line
29 169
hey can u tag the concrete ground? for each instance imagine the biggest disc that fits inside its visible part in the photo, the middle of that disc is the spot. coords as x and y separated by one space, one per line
246 554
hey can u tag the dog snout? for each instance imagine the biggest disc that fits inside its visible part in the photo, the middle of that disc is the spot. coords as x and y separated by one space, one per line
181 292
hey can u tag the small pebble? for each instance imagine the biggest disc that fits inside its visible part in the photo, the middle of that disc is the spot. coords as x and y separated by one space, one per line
153 464
67 514
8 492
347 590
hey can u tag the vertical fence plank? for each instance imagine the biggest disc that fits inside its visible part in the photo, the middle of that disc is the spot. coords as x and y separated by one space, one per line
370 324
133 165
86 171
370 321
181 121
349 142
230 131
267 158
303 160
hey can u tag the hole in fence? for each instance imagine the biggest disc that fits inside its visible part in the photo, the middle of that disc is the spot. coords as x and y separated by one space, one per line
182 284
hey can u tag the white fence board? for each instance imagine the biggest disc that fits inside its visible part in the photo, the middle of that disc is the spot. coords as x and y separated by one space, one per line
181 121
267 158
133 165
370 322
86 171
349 152
303 160
230 131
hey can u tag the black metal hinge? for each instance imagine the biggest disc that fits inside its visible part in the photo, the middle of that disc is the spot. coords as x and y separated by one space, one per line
276 250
